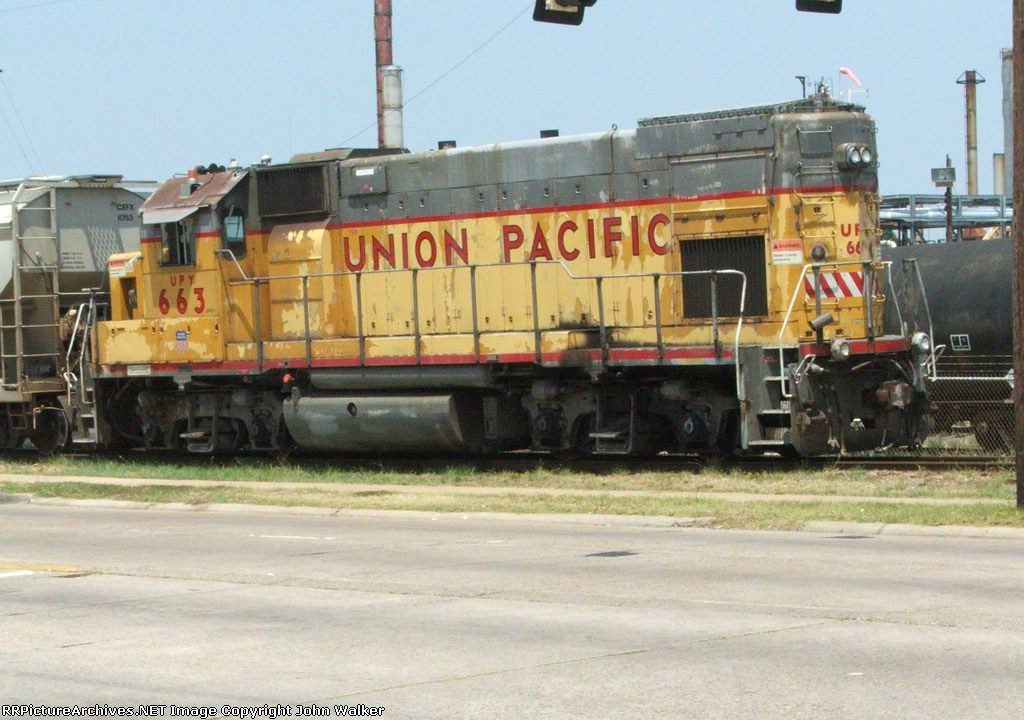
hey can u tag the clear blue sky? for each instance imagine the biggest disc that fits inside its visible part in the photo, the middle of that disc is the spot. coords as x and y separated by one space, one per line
148 89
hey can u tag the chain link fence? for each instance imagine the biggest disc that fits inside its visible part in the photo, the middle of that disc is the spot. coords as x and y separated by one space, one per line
974 406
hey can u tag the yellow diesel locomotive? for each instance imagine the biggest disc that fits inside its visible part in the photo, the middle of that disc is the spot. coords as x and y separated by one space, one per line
706 283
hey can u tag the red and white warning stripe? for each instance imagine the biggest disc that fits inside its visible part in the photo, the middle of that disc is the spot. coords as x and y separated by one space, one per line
836 285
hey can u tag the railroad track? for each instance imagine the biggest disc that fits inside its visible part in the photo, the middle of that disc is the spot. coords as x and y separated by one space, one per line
521 462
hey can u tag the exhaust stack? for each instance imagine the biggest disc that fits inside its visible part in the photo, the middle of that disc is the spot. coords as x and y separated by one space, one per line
970 80
389 80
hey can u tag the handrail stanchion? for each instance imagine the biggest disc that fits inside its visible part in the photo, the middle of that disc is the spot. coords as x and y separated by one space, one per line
305 319
657 317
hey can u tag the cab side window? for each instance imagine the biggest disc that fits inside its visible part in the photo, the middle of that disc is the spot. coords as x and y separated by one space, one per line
233 231
179 243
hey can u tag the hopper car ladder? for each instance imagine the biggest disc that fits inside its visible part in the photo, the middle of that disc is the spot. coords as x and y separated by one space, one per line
30 319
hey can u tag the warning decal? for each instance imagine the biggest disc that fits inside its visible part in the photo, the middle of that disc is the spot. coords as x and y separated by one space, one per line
787 252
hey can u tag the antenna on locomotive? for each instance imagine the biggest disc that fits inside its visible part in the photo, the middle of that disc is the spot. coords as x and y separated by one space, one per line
823 89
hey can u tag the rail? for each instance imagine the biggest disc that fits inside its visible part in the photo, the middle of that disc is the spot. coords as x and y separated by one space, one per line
600 281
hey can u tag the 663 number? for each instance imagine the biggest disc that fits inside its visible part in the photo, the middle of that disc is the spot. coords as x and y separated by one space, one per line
181 301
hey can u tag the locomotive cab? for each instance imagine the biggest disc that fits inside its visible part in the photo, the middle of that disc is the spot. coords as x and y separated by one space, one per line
168 306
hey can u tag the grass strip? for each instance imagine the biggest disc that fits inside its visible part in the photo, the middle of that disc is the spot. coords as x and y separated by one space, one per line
750 513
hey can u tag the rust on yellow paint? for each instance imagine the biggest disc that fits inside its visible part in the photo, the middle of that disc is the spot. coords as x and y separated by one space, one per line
485 284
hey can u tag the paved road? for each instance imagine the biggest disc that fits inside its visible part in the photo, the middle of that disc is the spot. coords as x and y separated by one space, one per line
453 616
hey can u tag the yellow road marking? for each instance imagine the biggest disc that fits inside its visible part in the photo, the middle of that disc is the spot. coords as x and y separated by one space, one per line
39 568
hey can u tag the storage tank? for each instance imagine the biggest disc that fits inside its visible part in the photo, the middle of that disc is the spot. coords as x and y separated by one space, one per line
969 288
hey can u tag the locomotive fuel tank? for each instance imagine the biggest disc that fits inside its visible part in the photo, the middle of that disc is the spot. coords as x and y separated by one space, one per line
449 423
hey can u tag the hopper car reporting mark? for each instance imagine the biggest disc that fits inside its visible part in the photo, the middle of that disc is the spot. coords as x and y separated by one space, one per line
668 288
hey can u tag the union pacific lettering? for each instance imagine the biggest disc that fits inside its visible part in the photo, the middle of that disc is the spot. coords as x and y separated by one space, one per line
598 237
534 238
405 250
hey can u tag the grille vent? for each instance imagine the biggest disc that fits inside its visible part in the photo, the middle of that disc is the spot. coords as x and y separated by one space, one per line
745 254
298 191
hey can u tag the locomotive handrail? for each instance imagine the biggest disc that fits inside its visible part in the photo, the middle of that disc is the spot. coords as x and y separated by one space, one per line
657 305
473 269
815 269
932 360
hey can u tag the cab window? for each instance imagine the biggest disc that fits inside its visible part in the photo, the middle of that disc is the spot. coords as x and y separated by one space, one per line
178 243
233 231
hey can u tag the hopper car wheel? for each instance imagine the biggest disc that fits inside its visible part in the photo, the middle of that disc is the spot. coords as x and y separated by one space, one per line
51 432
10 439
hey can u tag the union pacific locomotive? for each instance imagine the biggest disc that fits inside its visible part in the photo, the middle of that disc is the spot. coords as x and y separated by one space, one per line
707 283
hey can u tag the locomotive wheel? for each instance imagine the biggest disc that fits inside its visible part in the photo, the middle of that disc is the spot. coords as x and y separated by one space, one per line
580 443
51 432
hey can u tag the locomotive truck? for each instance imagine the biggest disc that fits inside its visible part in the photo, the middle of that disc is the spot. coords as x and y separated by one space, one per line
706 283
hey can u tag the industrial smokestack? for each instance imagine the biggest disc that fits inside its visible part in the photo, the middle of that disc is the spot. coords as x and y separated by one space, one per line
998 174
392 136
1007 56
970 80
382 40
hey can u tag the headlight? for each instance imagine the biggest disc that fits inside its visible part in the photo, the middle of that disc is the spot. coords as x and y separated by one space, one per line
854 156
840 349
921 343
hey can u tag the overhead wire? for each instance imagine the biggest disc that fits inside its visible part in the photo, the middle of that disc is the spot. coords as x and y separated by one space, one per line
29 7
10 99
14 133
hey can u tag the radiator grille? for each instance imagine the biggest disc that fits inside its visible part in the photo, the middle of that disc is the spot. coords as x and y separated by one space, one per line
293 191
745 254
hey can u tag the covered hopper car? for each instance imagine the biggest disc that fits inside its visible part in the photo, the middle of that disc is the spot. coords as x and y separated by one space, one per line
707 283
56 234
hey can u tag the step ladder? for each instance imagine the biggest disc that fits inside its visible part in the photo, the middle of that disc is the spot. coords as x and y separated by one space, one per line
30 332
613 441
80 390
767 419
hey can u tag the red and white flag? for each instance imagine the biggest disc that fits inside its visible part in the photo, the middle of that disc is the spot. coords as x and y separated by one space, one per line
849 73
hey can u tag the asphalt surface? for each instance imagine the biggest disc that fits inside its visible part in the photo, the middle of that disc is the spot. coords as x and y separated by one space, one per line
483 616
